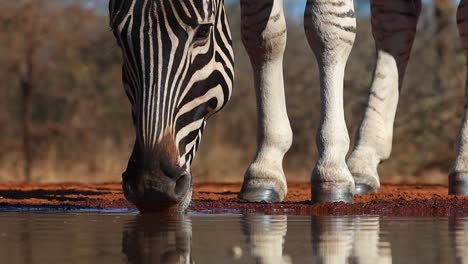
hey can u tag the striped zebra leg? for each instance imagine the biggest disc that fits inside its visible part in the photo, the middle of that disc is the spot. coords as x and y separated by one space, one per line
330 27
458 178
394 27
264 37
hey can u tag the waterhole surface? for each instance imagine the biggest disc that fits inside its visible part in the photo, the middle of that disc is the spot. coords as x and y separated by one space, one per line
127 237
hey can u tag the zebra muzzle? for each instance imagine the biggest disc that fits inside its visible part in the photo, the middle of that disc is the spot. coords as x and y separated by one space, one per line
156 191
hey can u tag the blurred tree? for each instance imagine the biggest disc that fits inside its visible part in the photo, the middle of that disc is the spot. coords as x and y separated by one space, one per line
24 18
53 57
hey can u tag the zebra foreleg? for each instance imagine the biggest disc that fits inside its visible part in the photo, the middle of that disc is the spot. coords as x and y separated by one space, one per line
330 27
458 178
394 28
264 37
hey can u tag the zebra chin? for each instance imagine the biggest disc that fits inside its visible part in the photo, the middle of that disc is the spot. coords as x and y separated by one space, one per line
154 182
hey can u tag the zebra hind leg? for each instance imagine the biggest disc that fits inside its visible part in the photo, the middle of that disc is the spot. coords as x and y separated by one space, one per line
458 178
394 28
264 37
330 28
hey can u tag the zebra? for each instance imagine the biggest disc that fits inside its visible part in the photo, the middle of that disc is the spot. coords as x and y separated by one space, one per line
178 71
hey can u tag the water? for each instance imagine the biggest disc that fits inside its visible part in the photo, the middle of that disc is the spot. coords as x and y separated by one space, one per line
126 237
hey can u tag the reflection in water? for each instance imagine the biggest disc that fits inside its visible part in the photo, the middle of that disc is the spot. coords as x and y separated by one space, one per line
368 247
157 239
348 240
332 239
265 236
459 231
56 237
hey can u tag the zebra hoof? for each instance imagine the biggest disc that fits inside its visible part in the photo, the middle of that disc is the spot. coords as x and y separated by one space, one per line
333 194
458 186
365 184
260 195
362 188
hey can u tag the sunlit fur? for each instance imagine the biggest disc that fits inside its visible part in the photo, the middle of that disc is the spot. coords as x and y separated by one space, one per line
177 70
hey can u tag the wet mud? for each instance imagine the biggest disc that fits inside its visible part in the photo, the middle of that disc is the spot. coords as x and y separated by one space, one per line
393 200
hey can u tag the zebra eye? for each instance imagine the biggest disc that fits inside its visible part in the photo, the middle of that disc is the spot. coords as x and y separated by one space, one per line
202 33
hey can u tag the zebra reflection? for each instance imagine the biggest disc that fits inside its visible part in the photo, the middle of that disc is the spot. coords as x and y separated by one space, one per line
156 239
265 235
348 240
458 229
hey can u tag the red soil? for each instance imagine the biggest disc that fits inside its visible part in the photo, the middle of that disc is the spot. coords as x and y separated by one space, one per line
393 200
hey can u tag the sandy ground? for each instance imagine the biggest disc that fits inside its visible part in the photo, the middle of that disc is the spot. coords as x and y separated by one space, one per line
393 200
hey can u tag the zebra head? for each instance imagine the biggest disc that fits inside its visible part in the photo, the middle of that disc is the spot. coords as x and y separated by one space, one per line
177 72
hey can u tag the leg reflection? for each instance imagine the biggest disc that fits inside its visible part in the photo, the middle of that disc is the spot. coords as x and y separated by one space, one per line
332 239
367 247
348 240
157 239
459 233
265 237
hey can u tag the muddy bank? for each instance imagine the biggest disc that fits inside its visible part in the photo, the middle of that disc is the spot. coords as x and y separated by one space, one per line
393 200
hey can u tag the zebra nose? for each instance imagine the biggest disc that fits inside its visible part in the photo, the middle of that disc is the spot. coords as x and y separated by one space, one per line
179 181
182 185
157 190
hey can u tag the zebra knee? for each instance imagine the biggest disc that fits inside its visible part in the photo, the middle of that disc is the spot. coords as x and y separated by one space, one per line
330 29
263 29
